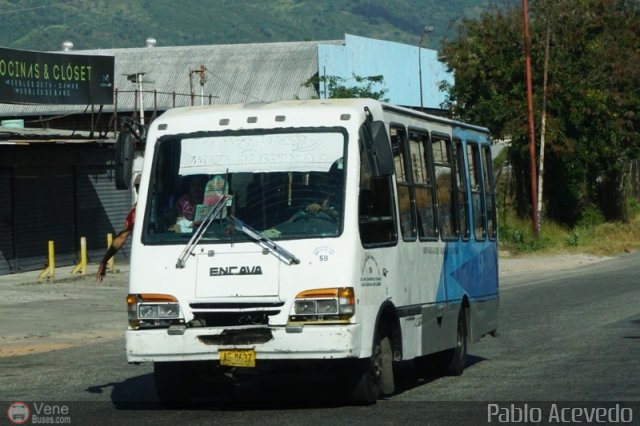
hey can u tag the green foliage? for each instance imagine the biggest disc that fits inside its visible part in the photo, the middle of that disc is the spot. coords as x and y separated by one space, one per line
591 217
337 86
573 238
516 236
593 97
634 206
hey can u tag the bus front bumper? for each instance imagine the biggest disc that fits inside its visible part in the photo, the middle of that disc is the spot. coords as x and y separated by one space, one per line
291 343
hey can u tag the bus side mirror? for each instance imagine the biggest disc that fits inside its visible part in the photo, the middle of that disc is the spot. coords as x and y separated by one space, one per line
124 159
379 149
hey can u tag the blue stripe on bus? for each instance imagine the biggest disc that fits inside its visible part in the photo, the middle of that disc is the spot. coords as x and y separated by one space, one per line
468 268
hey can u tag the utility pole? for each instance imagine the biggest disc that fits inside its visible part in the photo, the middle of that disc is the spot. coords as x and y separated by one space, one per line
426 30
543 126
532 140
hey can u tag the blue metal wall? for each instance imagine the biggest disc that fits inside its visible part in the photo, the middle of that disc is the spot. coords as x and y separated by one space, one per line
397 62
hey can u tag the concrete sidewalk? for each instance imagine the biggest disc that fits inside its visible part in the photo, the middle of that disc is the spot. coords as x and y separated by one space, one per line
509 265
62 274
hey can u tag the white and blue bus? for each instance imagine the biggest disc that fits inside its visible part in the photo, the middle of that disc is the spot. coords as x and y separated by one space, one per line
351 233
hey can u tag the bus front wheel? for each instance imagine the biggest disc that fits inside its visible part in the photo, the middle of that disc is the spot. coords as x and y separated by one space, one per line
372 377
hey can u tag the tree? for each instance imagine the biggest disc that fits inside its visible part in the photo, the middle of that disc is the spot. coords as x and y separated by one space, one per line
593 102
336 86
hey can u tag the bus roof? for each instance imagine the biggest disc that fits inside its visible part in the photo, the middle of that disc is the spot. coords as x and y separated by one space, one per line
294 107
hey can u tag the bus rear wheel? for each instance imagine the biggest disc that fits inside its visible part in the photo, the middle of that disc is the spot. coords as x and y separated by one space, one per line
374 376
454 360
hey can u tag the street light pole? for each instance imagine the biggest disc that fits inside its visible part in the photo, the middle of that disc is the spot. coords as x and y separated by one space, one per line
423 36
137 78
203 79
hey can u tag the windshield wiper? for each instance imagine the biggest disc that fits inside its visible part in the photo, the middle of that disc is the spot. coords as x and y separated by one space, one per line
197 236
274 248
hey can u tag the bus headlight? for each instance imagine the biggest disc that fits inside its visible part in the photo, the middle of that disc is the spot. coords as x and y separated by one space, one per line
305 307
152 310
325 304
147 311
158 310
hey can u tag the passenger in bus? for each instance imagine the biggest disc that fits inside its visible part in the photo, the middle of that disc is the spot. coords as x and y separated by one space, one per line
404 206
446 215
424 207
187 204
214 190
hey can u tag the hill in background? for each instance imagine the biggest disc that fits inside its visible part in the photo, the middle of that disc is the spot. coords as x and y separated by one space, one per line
91 24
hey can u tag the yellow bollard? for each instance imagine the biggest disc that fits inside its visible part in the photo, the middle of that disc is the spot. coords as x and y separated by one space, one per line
50 270
82 264
111 263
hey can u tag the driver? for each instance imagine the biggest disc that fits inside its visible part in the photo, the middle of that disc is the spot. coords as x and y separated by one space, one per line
325 201
330 204
317 207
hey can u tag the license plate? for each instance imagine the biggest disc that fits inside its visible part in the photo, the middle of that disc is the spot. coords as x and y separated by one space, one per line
238 358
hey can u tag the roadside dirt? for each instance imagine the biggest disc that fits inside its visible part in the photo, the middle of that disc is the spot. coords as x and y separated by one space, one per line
511 265
42 317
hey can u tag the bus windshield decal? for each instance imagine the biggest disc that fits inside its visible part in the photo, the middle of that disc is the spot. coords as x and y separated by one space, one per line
304 152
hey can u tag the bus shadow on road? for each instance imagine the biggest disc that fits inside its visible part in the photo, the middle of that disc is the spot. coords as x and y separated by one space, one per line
133 393
413 374
255 392
138 393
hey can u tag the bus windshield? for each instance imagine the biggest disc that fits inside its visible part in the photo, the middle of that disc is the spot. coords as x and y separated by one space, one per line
283 185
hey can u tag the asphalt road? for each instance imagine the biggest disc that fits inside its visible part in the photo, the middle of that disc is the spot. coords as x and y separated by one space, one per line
569 337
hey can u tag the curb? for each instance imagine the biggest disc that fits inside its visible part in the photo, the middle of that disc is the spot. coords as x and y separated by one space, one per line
62 275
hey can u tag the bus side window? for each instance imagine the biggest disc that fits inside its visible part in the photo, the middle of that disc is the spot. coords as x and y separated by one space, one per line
424 184
490 193
462 201
445 184
477 193
377 222
402 168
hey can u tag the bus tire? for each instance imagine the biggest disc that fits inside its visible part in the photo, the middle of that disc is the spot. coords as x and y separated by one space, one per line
455 359
173 383
372 377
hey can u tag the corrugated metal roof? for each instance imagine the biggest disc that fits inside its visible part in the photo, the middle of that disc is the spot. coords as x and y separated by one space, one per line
26 136
235 73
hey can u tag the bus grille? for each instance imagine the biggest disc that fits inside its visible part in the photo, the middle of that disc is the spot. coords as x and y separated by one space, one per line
245 336
227 319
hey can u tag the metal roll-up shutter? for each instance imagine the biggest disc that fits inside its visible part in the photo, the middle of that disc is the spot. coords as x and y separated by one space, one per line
6 223
44 210
101 209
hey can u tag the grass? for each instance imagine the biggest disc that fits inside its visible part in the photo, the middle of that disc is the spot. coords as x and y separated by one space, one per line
601 239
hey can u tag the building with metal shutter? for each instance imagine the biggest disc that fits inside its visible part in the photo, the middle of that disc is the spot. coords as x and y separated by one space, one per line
59 192
59 184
